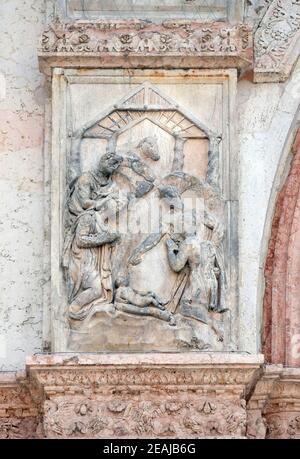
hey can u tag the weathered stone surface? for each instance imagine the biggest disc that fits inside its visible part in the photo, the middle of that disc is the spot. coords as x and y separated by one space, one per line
150 396
149 211
268 116
117 331
210 10
281 337
135 44
144 396
22 97
205 397
19 413
274 407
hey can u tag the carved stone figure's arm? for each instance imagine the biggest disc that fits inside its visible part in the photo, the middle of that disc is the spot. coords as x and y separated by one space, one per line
122 296
139 167
83 192
151 241
177 256
217 228
95 240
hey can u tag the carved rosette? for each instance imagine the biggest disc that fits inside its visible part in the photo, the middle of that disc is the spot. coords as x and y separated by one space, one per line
138 396
216 45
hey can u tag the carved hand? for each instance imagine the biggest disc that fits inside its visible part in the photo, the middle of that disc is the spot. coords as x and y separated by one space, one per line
135 259
99 204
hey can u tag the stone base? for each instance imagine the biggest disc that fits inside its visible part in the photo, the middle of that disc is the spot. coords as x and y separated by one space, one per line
115 331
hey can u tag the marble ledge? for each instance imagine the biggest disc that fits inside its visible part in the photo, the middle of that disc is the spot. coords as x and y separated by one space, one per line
146 359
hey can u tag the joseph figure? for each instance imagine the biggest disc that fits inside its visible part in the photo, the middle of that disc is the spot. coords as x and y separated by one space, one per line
89 241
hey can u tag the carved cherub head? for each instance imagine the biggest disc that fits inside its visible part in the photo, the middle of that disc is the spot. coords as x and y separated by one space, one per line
122 281
109 163
149 148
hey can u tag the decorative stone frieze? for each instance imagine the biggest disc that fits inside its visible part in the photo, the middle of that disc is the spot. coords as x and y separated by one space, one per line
144 396
150 396
136 43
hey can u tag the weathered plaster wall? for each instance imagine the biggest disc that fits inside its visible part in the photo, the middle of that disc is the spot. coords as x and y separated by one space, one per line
21 182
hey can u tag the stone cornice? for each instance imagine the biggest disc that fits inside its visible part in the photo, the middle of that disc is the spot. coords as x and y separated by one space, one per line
79 372
179 44
135 43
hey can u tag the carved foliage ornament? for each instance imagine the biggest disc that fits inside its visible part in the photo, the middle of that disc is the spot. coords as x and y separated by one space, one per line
142 38
170 417
277 38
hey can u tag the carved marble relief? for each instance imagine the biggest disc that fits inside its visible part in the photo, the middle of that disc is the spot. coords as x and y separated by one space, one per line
143 254
140 37
277 41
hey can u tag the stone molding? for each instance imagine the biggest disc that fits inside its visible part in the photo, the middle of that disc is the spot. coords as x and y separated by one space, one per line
146 396
274 407
281 307
136 43
179 43
190 395
277 41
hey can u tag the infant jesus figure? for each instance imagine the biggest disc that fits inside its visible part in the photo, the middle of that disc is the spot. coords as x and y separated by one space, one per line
128 300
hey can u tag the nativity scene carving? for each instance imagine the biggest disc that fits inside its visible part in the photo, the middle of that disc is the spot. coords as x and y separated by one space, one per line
144 229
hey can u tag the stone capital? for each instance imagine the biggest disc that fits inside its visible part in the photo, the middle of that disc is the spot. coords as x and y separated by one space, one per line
182 395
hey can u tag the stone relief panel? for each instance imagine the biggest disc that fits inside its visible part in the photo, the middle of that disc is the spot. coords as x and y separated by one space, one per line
147 220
